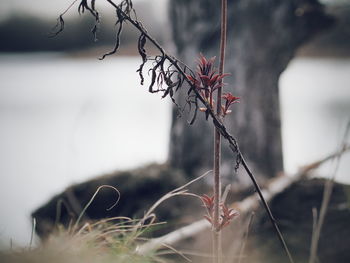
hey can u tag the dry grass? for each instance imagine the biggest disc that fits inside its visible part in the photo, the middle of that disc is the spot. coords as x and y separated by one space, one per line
112 240
109 240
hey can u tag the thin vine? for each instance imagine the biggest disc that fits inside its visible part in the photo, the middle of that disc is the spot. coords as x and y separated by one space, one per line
168 75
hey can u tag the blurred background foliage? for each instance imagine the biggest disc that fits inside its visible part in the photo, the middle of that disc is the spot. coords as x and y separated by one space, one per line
22 32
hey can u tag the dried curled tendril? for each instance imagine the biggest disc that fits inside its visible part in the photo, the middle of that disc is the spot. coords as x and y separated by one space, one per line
167 74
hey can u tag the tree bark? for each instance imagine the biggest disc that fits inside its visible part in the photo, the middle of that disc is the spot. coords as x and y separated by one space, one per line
263 37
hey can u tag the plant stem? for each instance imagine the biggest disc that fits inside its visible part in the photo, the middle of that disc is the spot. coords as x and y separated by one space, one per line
217 142
327 194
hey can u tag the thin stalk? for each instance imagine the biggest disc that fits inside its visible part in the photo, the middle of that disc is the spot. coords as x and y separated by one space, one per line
245 237
32 233
217 142
327 194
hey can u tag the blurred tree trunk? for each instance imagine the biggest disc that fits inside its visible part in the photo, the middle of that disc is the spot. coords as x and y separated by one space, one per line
263 37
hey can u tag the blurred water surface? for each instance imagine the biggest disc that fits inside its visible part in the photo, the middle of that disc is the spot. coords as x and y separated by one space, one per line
64 120
315 108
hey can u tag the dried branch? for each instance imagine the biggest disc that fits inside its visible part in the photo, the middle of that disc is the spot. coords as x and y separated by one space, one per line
163 76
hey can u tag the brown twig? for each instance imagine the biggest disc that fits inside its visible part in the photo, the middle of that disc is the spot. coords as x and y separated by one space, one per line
219 126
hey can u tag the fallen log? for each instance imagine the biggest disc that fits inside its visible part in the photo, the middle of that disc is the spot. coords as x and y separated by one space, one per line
274 187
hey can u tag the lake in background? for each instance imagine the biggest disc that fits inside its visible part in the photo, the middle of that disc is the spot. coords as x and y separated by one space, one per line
64 120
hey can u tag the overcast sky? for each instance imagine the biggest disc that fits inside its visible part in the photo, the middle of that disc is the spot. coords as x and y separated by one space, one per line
49 8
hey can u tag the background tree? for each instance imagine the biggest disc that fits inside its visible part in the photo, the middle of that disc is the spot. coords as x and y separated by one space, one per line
263 36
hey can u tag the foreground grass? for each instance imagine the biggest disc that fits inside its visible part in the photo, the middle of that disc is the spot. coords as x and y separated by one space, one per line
102 242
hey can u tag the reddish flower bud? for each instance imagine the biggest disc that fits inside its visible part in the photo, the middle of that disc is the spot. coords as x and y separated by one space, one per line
230 99
206 80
